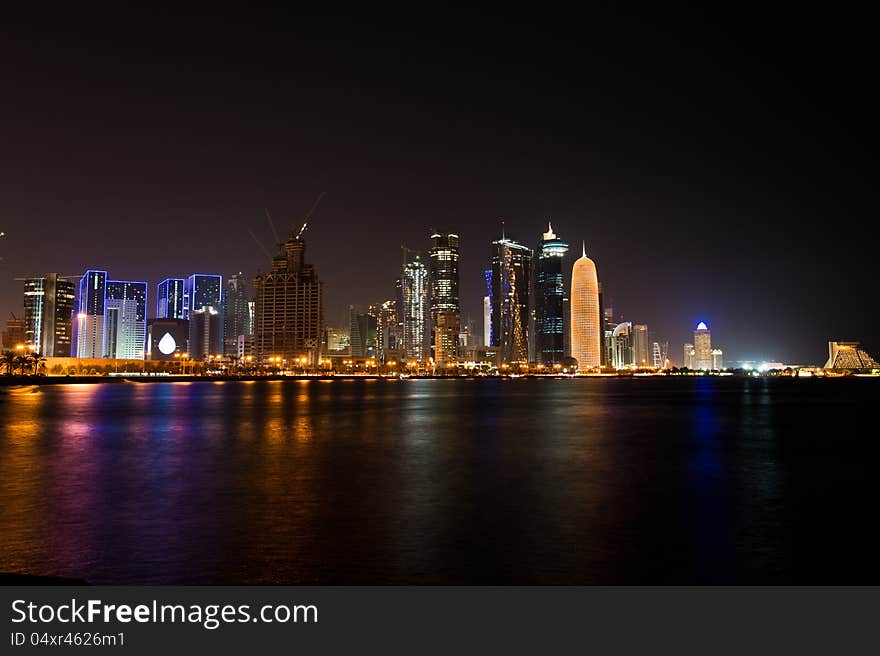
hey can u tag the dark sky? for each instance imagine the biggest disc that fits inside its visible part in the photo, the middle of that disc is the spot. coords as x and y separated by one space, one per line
719 166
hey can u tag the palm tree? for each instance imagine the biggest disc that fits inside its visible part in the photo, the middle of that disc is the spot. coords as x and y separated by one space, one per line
22 362
7 362
36 361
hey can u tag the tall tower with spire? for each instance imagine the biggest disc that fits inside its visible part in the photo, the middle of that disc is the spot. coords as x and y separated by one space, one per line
511 282
550 297
586 333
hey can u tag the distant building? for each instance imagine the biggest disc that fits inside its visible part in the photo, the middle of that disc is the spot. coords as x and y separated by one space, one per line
717 359
205 333
89 324
550 299
125 320
622 350
412 305
170 296
202 290
47 325
14 332
511 283
586 322
289 309
445 308
362 331
338 340
387 328
690 357
165 337
702 347
640 345
849 356
236 313
244 348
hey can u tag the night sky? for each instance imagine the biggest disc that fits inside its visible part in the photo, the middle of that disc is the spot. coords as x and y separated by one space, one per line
719 166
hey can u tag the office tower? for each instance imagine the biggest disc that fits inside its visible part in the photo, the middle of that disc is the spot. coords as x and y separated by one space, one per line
244 348
14 332
288 309
717 359
202 290
550 299
165 337
362 333
48 308
170 299
205 332
849 356
641 351
250 326
622 352
387 328
90 315
125 319
236 313
702 347
689 357
412 304
444 302
511 281
487 320
586 322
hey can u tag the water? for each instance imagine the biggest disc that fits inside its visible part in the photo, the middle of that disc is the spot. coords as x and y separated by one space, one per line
682 480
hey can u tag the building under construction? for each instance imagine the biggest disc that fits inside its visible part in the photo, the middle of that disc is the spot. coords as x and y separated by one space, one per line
289 310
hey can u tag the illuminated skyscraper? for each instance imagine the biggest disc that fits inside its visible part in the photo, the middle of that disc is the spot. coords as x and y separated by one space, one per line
236 313
205 332
170 299
48 306
511 279
412 304
289 307
717 359
622 346
586 321
387 328
702 347
125 319
444 301
689 361
202 290
550 299
89 322
640 345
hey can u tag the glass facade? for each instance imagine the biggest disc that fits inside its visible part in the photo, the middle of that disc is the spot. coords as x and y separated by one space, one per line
550 299
445 306
511 280
170 299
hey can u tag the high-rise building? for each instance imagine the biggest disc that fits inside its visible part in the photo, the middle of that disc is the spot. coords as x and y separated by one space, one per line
511 283
236 313
89 323
550 299
14 332
444 301
48 308
640 345
205 332
412 304
702 347
622 351
717 359
202 290
338 340
362 333
289 309
586 321
387 328
170 299
125 319
487 320
690 357
165 337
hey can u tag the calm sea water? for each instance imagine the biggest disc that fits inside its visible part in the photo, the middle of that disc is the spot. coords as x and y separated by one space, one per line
684 480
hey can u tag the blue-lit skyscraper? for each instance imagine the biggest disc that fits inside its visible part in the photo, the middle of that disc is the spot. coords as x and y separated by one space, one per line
202 290
550 299
90 315
125 319
169 299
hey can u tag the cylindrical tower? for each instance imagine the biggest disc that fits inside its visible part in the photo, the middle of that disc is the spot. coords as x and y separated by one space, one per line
586 333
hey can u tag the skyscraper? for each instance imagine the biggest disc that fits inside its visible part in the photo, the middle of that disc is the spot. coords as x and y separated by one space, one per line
90 315
622 351
236 313
689 361
289 309
702 347
412 304
125 319
586 322
205 332
550 299
362 332
511 280
387 328
170 299
202 290
640 345
48 305
444 301
717 359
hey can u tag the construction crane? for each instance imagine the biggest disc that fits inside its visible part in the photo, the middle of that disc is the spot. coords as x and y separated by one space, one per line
406 249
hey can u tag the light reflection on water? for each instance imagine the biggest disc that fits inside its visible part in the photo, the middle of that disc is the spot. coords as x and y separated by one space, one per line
366 481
